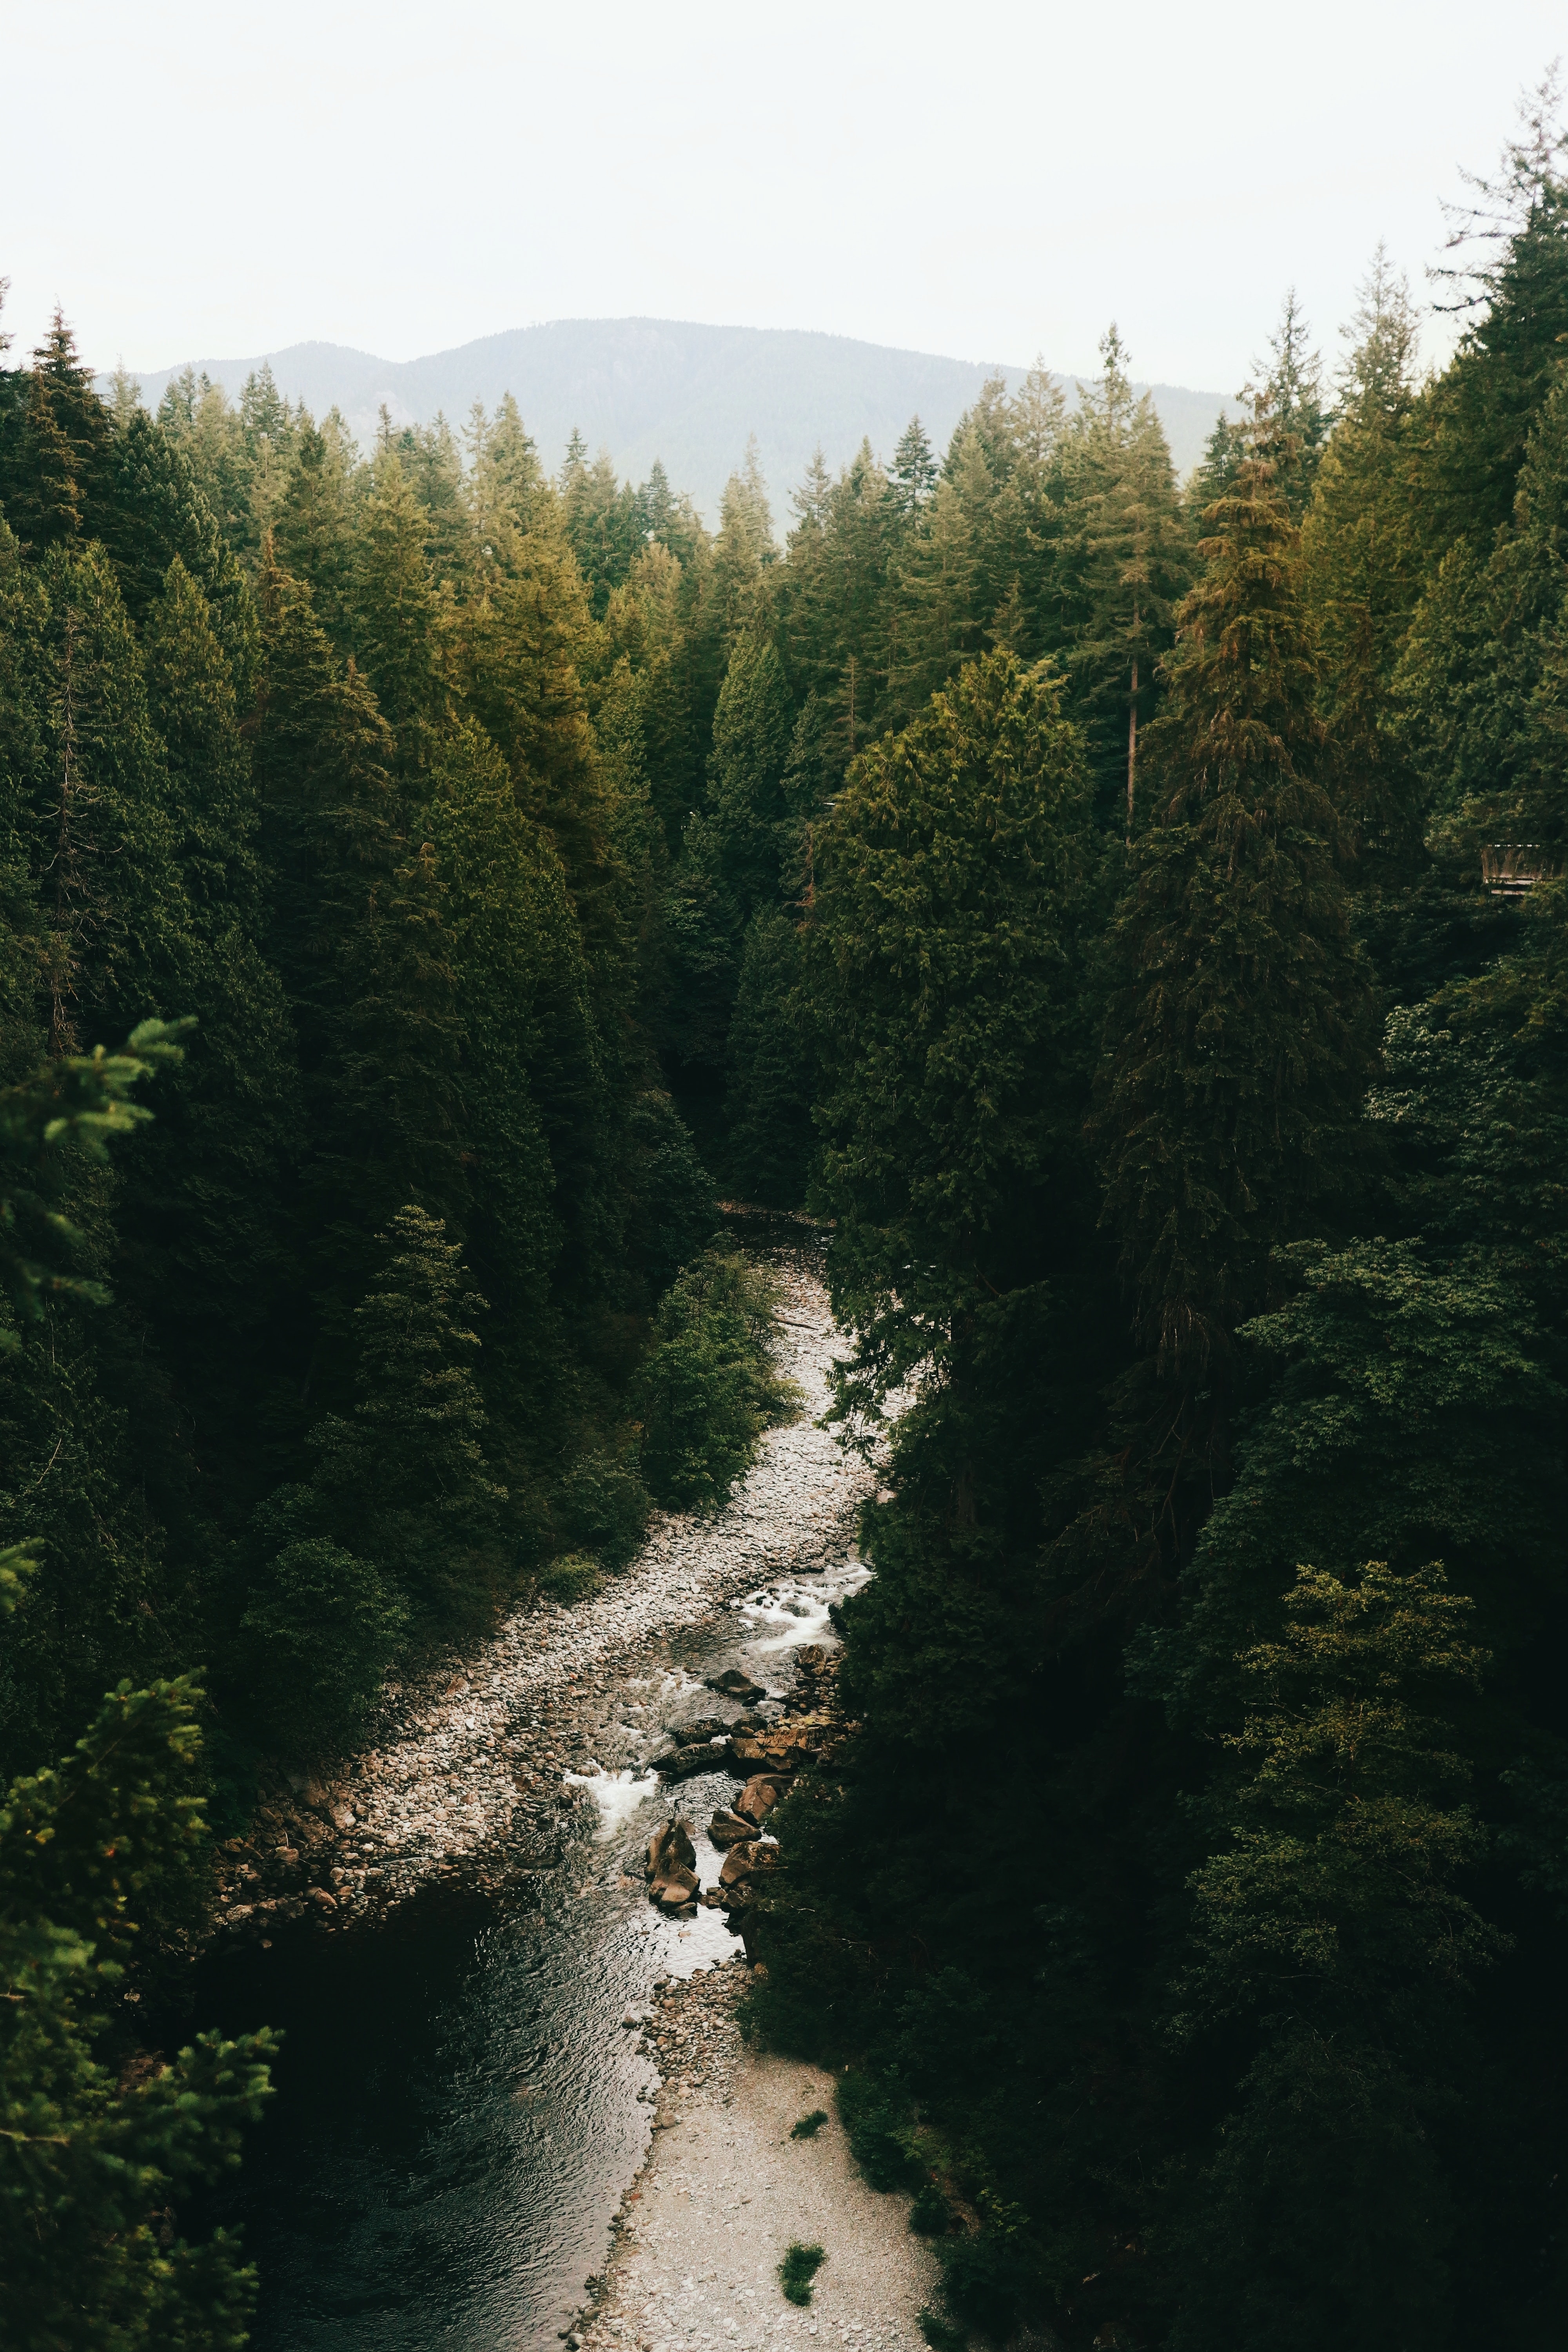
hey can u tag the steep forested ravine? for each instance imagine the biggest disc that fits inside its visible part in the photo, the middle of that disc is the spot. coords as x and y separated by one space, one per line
1130 918
459 2110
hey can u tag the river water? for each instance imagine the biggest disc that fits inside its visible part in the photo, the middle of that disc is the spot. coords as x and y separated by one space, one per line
458 2106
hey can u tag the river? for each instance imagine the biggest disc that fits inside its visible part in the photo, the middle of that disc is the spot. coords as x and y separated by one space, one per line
459 2106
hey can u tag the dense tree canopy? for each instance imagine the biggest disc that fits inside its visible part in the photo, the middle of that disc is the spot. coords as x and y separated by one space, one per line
1129 916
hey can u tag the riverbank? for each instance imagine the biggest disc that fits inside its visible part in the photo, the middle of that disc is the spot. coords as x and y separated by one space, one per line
473 1772
725 2189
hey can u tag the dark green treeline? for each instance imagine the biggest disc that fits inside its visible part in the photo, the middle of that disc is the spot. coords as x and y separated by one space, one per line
1189 1904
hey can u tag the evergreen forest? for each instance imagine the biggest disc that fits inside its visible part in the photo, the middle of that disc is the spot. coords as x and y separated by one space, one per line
1128 916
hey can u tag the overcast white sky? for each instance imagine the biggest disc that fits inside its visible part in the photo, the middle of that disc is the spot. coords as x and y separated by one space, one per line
983 180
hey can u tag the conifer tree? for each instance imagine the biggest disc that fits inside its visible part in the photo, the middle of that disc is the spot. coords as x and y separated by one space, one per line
1332 1934
1122 562
505 480
400 1517
1362 574
528 642
914 469
202 1204
1514 297
396 613
751 744
114 908
1237 1043
646 625
357 936
55 446
772 1066
312 531
946 881
533 1091
1289 392
742 553
95 1852
409 1468
1478 685
154 512
199 417
938 585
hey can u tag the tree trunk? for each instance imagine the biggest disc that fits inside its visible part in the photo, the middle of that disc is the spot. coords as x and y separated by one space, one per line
1132 740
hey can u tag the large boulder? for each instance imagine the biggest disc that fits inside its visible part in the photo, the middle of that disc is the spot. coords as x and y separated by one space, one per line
748 1861
703 1727
676 1891
728 1828
760 1795
702 1756
735 1683
670 1849
783 1749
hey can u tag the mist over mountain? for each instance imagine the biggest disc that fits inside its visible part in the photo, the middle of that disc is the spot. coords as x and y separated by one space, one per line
689 395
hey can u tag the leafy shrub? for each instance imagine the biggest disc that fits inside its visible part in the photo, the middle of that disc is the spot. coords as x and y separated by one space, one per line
709 1387
809 2125
988 2279
931 2215
574 1578
878 2122
798 2268
602 1505
673 1210
322 1628
940 2334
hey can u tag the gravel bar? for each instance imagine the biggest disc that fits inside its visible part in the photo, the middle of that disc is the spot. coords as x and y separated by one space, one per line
469 1778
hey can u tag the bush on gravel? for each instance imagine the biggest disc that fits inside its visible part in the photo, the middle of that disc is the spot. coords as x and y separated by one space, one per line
602 1505
798 2268
577 1577
708 1385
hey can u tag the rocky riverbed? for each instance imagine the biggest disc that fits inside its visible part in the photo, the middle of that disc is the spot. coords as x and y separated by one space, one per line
727 2185
476 1772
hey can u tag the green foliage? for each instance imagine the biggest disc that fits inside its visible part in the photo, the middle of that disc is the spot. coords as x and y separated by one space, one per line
603 1506
322 1627
798 2269
931 2215
809 2125
1124 561
773 1060
949 881
878 2114
523 847
576 1577
940 2334
71 1106
1238 1042
708 1387
1335 1919
105 1851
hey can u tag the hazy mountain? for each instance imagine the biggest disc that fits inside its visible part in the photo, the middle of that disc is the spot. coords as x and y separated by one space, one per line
648 388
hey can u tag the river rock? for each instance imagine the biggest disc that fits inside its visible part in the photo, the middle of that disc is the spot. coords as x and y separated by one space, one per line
735 1683
705 1726
746 1861
670 1849
729 1829
786 1747
672 1892
758 1798
704 1756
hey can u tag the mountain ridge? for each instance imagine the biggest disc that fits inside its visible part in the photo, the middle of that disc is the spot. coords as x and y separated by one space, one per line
680 391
